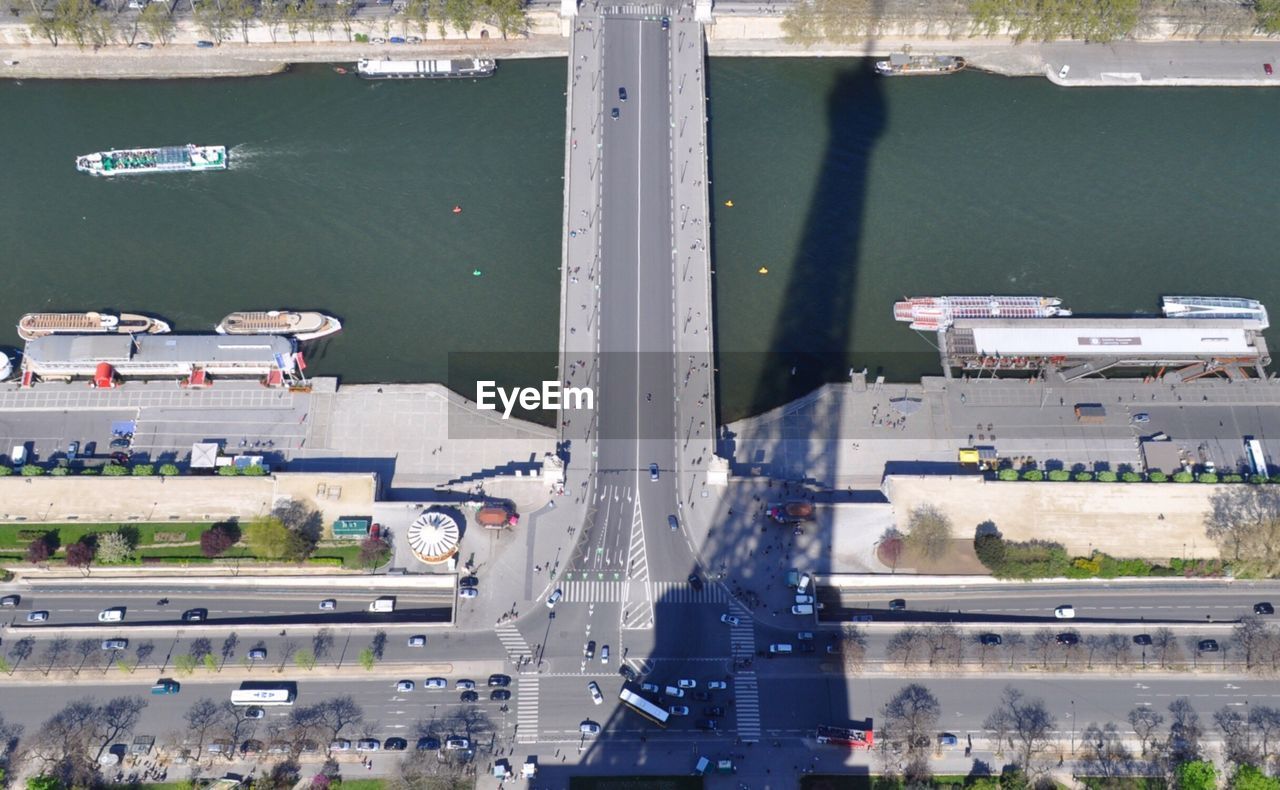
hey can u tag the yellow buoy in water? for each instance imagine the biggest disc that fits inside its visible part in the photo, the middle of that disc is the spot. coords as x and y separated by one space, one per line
762 270
729 203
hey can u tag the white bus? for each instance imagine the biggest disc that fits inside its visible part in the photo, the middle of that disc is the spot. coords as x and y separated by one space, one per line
1257 461
644 707
263 695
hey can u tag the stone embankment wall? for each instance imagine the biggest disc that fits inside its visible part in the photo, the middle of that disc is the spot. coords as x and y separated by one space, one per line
1151 521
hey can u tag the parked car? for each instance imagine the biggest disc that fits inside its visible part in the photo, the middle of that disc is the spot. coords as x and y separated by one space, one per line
368 745
596 696
204 44
707 724
468 581
465 685
651 688
457 742
251 747
468 592
730 619
254 713
947 739
395 745
436 683
702 696
500 680
139 45
418 640
686 683
469 696
1141 417
499 695
1067 638
1142 640
340 745
627 672
678 710
713 710
1208 646
258 654
397 40
991 640
115 644
428 744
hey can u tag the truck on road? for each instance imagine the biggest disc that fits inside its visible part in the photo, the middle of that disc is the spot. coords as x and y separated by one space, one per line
386 603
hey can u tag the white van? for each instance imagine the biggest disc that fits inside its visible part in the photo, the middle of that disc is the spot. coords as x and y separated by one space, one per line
386 603
113 615
672 691
701 767
780 649
803 586
18 455
802 608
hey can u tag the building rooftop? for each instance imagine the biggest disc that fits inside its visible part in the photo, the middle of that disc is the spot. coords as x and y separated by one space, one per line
1101 337
194 349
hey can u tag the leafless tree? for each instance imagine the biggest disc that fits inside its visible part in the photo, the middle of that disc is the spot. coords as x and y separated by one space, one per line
1245 523
55 652
286 652
63 745
853 649
20 651
1237 740
424 769
1265 722
1252 637
229 646
907 645
1117 648
379 644
1014 643
115 719
1070 648
1043 645
1184 731
201 717
1105 754
1164 645
908 721
10 737
143 651
84 649
1027 724
946 644
1145 722
321 643
200 647
340 713
1093 644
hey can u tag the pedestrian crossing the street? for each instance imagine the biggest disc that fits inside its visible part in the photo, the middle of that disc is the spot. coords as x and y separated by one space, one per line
746 693
527 710
620 592
742 637
512 640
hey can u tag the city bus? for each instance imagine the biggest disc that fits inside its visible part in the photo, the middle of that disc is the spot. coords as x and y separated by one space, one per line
263 694
1257 461
654 713
854 738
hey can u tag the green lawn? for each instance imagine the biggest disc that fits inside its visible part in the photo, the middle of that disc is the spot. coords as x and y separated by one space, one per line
70 533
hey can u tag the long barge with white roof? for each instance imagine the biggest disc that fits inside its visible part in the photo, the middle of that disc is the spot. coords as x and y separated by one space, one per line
104 357
453 68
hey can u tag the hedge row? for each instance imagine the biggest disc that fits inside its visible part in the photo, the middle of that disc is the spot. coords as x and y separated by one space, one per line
1039 559
1062 476
122 470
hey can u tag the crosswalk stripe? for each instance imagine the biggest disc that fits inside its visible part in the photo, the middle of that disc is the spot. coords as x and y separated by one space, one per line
527 693
618 591
746 692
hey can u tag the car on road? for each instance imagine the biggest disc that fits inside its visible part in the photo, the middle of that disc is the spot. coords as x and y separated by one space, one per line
469 696
500 680
1064 71
678 710
204 44
254 713
499 695
1067 638
991 640
468 581
730 619
165 686
1266 69
589 650
428 744
404 685
115 644
702 696
672 691
627 672
596 696
614 115
806 647
622 94
1065 612
707 724
418 640
328 605
653 468
666 22
652 688
717 685
674 523
695 582
1263 607
340 745
468 592
195 615
436 683
896 605
258 654
604 654
687 683
368 745
113 615
397 40
554 598
713 710
805 636
1141 417
395 745
378 39
73 450
947 739
1207 646
589 727
802 600
10 600
142 45
456 742
1142 639
465 685
37 617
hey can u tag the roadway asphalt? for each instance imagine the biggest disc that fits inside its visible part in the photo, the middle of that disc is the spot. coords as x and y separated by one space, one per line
1150 601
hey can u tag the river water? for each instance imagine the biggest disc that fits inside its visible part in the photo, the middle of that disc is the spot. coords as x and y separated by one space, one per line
850 191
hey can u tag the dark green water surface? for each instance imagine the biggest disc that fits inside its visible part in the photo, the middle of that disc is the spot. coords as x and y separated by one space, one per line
851 191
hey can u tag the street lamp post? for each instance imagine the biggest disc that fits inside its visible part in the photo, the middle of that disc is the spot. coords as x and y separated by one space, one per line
1073 727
